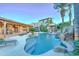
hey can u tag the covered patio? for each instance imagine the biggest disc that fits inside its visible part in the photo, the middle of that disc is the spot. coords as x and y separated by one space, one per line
10 28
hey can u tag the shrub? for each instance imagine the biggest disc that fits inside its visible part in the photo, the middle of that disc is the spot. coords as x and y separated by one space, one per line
44 30
32 30
76 51
1 39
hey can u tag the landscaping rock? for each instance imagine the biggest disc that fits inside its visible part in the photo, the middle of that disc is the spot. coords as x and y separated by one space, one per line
60 49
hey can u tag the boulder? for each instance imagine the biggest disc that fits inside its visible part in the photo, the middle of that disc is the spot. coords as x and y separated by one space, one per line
60 49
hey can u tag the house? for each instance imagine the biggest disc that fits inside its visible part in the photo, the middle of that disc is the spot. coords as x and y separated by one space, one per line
48 24
36 26
52 28
11 28
45 21
44 24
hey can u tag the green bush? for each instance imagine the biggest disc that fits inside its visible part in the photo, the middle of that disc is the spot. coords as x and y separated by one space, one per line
62 25
32 30
1 39
76 51
44 30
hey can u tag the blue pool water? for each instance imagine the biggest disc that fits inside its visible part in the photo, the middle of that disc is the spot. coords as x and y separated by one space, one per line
43 43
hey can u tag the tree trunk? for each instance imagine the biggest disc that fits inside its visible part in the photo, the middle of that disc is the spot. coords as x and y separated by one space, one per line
62 12
62 23
70 14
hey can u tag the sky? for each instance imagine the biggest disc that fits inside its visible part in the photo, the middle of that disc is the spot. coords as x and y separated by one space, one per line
30 12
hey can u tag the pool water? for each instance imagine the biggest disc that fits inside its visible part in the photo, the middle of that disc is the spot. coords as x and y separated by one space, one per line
44 43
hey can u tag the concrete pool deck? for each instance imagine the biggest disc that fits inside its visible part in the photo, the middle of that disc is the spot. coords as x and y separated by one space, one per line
18 50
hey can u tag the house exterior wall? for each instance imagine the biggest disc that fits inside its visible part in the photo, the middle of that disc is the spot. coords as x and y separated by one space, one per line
76 21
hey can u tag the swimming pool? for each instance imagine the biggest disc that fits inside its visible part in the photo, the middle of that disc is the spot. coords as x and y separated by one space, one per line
41 44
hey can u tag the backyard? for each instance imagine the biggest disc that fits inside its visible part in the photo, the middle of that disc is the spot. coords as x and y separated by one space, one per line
43 37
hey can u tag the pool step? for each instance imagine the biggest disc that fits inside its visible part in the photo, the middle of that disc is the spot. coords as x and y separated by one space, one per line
29 42
31 50
30 46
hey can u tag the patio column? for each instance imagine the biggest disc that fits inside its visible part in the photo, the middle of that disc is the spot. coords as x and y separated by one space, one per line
4 28
76 21
27 29
1 30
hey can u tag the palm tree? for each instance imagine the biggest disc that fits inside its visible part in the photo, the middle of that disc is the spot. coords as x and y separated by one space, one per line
62 12
50 21
70 12
61 7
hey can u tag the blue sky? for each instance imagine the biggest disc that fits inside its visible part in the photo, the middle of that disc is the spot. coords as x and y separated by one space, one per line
30 12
